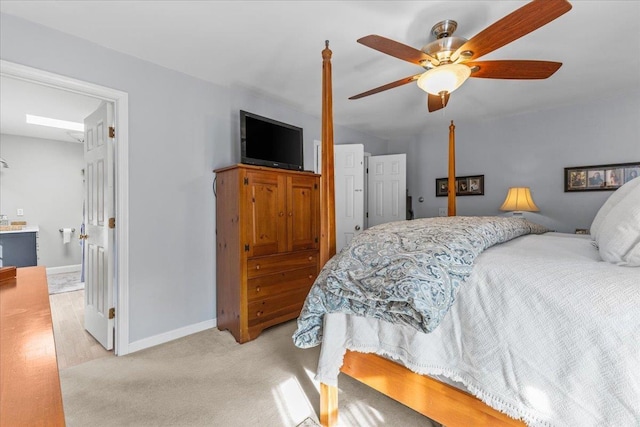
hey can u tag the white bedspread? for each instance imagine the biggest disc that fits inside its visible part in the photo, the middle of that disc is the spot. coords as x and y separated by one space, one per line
543 330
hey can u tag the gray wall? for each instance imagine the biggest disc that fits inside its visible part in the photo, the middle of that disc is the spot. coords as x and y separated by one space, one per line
532 150
175 122
180 130
44 179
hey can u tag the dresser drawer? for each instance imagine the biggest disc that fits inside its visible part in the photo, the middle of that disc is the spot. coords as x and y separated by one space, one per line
277 307
278 263
279 283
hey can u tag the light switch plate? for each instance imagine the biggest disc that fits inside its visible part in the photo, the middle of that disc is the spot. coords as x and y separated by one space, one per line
20 212
442 211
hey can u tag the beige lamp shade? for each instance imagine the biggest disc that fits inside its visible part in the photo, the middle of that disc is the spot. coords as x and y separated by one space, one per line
519 199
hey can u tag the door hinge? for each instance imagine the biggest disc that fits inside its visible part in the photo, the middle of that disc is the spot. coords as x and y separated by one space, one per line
246 248
112 313
246 180
112 223
112 132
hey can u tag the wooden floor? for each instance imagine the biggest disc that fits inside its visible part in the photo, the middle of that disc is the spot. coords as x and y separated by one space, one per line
74 345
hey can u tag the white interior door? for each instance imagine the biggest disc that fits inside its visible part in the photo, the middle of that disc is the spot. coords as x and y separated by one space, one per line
99 235
387 188
349 183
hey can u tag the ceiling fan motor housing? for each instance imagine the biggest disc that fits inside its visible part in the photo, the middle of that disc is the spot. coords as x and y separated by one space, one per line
445 44
444 28
442 49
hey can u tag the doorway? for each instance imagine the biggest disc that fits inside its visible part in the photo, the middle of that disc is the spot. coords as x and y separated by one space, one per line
120 101
370 190
350 187
387 187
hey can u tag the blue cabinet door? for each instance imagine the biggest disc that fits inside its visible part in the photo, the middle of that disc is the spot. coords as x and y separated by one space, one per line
19 249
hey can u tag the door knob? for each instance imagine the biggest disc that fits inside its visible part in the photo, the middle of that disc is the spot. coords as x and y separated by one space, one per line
357 228
83 236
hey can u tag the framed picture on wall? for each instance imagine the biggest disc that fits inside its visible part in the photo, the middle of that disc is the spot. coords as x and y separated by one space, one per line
465 186
599 177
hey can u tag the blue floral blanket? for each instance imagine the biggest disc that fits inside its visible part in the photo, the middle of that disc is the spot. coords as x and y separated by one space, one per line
405 272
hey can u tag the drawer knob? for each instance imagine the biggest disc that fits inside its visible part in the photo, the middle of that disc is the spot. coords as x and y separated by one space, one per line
310 258
258 289
259 313
257 266
281 214
311 276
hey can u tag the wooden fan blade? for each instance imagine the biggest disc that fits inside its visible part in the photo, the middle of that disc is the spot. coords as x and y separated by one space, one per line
516 69
435 102
396 49
387 86
528 18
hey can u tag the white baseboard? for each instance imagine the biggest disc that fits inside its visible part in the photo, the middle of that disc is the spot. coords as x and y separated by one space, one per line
64 269
171 335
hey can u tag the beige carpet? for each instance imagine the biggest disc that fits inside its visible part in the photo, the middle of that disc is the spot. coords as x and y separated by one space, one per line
207 379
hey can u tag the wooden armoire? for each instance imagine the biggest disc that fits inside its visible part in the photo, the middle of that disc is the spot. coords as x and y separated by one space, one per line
267 241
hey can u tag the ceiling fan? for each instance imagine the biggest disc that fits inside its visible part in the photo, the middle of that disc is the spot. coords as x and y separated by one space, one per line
450 60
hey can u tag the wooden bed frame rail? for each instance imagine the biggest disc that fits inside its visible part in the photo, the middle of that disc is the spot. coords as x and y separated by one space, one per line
434 399
440 402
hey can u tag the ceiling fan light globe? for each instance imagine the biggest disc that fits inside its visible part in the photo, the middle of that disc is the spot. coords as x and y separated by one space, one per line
445 78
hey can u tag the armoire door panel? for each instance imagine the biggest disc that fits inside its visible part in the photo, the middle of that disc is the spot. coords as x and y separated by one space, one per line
266 230
303 209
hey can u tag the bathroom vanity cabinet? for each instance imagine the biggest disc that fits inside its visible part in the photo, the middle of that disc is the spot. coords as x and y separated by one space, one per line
19 247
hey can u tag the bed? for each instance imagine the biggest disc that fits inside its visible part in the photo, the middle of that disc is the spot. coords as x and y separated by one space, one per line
533 327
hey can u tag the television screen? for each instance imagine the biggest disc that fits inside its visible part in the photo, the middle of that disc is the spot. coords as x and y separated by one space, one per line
267 142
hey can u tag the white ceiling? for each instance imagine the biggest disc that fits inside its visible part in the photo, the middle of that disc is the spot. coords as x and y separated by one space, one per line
19 98
274 47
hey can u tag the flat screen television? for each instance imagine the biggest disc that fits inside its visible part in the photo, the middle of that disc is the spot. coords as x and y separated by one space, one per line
267 142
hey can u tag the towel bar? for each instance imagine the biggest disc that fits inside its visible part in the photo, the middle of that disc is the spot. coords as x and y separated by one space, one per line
73 230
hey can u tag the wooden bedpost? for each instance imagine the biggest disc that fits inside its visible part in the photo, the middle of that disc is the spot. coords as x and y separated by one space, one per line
451 192
328 394
328 405
327 188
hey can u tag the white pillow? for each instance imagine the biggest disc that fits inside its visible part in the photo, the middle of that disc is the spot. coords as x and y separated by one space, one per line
612 201
619 234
